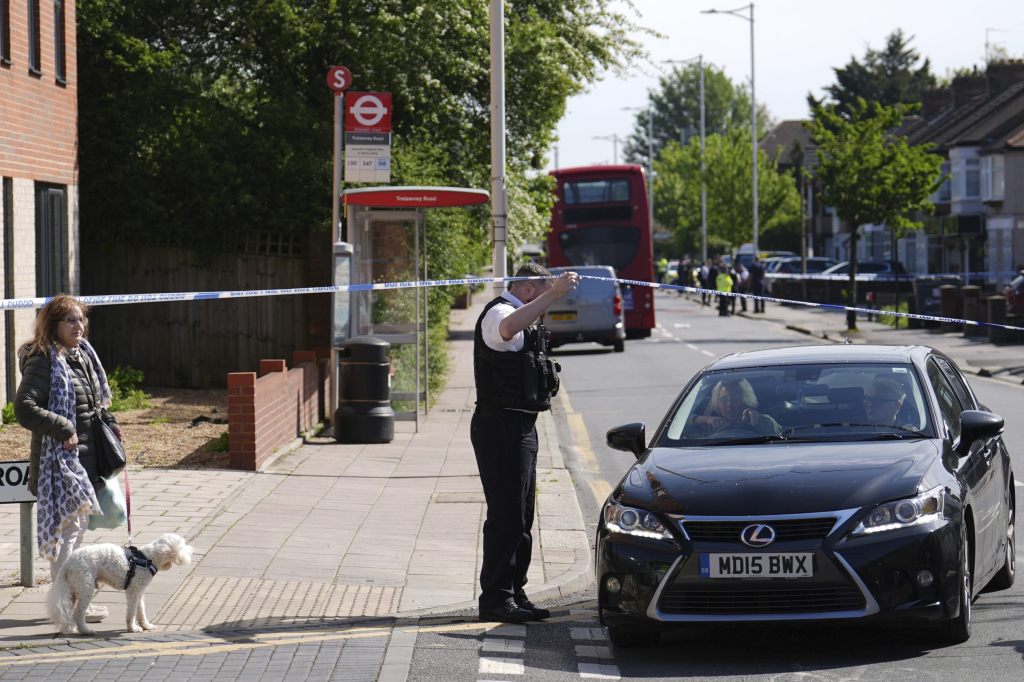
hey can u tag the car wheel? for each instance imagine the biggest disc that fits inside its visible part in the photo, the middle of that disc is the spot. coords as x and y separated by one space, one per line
1003 580
627 637
958 630
619 345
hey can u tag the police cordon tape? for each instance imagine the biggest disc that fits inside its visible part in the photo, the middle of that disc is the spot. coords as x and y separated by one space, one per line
122 299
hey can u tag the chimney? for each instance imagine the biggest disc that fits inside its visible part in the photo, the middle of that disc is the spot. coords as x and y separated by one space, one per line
934 101
1001 75
966 88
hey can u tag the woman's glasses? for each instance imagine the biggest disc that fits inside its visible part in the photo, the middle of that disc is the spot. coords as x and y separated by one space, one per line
75 321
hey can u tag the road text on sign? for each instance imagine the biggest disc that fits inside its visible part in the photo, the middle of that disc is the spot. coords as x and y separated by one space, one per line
339 79
14 483
368 112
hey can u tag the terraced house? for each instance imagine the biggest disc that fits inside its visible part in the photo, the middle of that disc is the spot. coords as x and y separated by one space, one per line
38 163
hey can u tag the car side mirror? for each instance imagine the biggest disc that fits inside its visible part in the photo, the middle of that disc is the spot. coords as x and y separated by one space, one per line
628 437
977 425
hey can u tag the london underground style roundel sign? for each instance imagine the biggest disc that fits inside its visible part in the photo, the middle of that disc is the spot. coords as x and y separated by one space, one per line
339 79
368 112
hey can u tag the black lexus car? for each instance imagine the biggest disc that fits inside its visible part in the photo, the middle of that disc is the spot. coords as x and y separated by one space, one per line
810 483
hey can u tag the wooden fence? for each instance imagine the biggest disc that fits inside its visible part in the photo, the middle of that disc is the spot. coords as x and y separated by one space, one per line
197 343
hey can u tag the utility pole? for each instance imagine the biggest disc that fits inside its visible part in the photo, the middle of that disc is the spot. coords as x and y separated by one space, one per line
703 185
499 198
753 99
614 137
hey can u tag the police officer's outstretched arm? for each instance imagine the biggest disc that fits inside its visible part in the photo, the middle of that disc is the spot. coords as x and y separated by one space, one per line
536 295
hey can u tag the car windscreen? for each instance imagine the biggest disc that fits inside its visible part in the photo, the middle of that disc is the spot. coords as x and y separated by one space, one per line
801 403
605 245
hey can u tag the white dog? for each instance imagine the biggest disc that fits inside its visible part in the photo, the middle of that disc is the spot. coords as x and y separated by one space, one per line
119 567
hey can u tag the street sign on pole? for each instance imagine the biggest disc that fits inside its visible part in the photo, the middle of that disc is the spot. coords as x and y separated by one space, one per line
339 79
368 137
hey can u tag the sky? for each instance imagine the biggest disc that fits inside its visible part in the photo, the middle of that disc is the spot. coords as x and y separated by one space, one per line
797 43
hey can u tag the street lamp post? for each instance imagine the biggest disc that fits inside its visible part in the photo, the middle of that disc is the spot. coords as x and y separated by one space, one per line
650 158
753 97
615 145
703 186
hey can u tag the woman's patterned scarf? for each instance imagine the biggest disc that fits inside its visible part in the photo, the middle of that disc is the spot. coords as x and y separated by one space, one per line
65 492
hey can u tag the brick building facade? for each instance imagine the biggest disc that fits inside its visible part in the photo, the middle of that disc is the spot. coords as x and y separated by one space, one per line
38 164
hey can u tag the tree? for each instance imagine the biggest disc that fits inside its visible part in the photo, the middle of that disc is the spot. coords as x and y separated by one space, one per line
870 174
727 176
888 76
203 120
676 107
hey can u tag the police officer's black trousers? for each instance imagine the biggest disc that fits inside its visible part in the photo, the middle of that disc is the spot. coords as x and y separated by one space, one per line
505 443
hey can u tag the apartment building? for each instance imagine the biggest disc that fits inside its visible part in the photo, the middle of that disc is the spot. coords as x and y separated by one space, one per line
38 164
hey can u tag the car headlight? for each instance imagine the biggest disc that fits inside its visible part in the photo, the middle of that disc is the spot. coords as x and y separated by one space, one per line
632 521
911 511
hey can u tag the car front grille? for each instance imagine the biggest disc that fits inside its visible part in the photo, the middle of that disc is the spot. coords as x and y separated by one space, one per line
777 600
785 529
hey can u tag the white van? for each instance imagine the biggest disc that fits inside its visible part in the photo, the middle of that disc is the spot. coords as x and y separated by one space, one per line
593 312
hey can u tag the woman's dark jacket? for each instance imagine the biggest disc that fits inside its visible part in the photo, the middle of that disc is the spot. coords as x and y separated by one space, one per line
31 407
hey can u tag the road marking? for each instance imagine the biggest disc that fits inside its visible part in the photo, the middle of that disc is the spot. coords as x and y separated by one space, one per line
681 325
600 488
599 671
502 646
501 666
692 347
708 353
588 634
1018 483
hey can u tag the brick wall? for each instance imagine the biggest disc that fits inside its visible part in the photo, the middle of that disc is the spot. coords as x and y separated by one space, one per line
268 411
38 143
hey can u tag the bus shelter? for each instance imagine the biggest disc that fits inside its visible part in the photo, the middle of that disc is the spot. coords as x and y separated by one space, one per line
387 231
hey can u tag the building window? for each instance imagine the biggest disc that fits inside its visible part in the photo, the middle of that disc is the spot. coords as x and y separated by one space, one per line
35 58
993 177
51 239
59 42
5 32
972 178
942 195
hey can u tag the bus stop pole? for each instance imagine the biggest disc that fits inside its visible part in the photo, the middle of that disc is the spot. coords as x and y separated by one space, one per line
28 540
499 200
339 108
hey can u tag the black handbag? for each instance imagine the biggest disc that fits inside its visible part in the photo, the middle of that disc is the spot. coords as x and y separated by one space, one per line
110 456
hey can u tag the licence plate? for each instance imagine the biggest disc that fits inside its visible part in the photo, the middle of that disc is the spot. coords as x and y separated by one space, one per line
562 317
789 565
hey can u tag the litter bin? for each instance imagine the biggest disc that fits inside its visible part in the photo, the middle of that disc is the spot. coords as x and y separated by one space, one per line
364 413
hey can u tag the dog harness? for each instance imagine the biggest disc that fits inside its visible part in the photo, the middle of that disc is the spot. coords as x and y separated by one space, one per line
136 559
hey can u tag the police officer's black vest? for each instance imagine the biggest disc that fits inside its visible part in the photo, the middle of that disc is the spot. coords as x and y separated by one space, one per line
522 380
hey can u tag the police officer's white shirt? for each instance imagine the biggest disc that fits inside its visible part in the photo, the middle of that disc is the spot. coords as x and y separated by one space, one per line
493 318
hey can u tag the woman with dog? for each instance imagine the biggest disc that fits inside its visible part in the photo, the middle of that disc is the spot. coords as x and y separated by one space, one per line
63 390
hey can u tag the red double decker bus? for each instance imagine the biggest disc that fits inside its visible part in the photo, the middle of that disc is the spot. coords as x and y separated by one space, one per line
601 217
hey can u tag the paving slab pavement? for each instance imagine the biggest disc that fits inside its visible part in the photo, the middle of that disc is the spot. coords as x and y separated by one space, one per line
327 533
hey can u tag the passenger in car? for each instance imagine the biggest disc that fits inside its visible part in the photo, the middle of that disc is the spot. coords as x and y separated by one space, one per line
733 405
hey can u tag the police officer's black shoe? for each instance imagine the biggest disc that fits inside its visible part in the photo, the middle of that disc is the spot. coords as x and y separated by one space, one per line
508 612
523 602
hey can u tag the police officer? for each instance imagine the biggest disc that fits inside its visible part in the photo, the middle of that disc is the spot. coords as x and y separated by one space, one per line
515 380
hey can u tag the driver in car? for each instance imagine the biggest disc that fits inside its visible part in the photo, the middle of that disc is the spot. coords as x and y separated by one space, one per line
883 399
733 407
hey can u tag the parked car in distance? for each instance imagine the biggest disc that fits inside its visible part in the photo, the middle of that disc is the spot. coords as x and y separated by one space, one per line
866 267
1015 295
792 266
593 312
847 483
